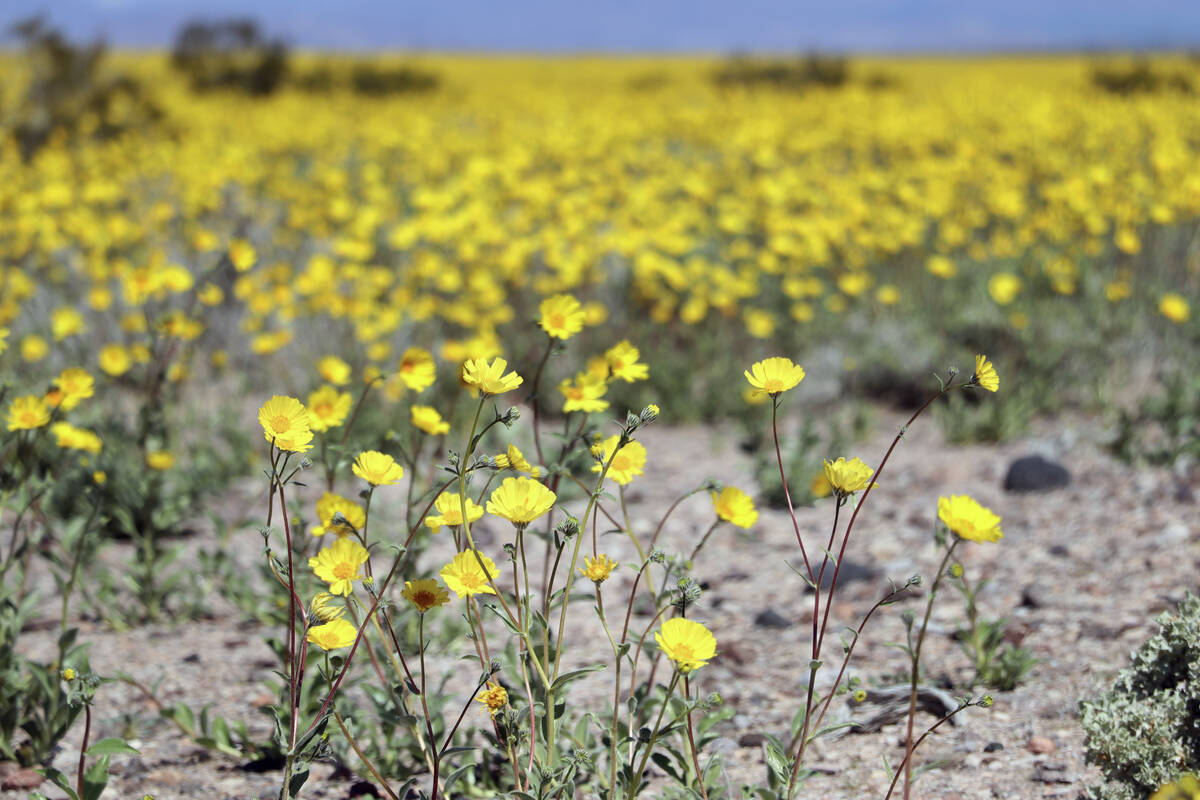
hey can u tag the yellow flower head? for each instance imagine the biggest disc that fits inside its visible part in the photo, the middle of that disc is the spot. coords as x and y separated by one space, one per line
69 437
285 424
66 322
1004 287
3 338
427 419
425 593
466 577
325 608
562 316
75 385
28 412
597 569
623 363
846 477
449 507
114 359
1174 307
626 465
1185 787
34 348
242 254
688 644
161 460
334 370
333 635
417 369
328 408
515 460
585 393
968 519
340 565
985 374
332 504
774 376
377 469
494 698
941 267
520 501
734 505
490 377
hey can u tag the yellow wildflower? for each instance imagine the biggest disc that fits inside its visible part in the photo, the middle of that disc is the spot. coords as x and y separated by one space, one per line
520 500
561 316
339 565
328 408
734 505
688 644
449 508
985 374
466 577
626 465
376 468
490 377
425 593
427 419
968 519
333 635
494 698
285 424
28 412
598 569
774 376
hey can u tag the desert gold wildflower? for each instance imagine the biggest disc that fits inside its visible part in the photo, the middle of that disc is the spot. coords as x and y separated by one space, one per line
490 378
465 577
333 635
846 477
687 643
449 507
734 505
1185 787
69 437
622 359
417 369
114 359
1004 287
1174 307
597 569
377 469
242 255
65 322
33 348
561 316
285 424
774 376
328 408
334 370
28 412
75 385
585 393
325 607
160 460
985 374
515 460
425 593
967 518
520 500
340 565
329 506
626 465
494 698
427 419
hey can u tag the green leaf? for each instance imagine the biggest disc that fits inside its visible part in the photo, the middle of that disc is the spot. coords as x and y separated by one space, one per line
95 779
298 780
574 675
110 747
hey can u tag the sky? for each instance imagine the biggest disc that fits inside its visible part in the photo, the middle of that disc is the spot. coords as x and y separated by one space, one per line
562 26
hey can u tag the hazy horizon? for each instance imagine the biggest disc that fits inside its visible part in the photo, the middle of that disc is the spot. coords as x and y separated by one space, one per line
668 26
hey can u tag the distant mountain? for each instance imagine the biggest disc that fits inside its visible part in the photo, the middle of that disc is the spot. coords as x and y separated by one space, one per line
650 25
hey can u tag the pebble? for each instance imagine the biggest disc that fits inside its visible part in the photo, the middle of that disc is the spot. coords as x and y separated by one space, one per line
754 739
1035 474
1040 745
770 618
1036 595
992 747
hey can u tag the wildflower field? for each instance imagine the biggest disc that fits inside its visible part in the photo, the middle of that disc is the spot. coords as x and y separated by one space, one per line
377 383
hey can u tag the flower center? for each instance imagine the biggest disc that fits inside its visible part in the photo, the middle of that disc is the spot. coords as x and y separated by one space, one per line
683 652
280 423
343 571
322 409
557 321
470 580
621 463
425 599
28 418
773 385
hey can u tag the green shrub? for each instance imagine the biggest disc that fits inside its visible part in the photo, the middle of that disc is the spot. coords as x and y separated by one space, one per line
1145 731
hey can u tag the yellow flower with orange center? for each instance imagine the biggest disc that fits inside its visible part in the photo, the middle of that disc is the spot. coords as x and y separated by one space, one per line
468 574
687 643
340 565
285 424
774 376
425 593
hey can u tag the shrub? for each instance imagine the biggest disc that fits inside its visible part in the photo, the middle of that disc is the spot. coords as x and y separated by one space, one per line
1142 733
230 54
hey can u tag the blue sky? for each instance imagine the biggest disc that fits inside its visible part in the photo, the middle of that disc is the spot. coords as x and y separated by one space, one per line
651 25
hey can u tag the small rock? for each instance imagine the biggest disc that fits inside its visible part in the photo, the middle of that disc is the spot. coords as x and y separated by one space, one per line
754 739
1175 533
770 618
1035 474
1040 745
1059 550
22 779
1035 595
192 658
1050 772
992 747
723 744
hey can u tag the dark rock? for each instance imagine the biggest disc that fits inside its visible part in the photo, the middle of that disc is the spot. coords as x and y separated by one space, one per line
362 789
770 618
1035 474
192 658
850 572
753 739
992 747
1059 550
1035 595
1051 772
